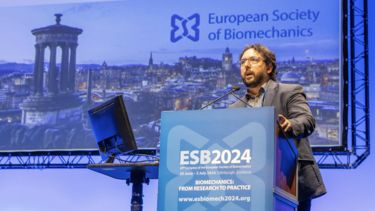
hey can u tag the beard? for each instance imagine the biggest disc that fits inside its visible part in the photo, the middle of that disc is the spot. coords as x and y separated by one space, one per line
255 80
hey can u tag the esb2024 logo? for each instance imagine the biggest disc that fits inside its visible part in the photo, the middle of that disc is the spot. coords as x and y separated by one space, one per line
185 27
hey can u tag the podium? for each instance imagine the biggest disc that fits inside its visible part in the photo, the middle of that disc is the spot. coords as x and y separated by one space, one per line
226 159
133 173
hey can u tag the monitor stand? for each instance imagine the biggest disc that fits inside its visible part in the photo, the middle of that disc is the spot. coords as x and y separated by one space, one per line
137 178
136 174
110 158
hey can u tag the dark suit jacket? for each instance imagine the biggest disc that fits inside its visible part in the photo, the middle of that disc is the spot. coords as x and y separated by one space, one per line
290 101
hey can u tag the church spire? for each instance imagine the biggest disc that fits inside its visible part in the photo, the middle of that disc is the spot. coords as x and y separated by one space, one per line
150 61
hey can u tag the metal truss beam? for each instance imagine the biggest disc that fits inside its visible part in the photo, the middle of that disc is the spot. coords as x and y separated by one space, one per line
358 135
51 160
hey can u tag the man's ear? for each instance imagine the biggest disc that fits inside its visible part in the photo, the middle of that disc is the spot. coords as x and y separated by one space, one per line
269 69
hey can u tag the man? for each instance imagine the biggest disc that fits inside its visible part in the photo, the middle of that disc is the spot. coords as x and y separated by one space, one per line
258 72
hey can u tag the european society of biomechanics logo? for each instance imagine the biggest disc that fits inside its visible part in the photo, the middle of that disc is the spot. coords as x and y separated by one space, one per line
185 27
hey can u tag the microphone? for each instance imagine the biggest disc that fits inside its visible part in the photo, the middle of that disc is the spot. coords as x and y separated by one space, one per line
233 89
236 88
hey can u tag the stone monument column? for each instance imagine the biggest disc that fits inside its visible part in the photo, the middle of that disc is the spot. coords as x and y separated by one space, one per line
72 67
38 69
52 74
64 71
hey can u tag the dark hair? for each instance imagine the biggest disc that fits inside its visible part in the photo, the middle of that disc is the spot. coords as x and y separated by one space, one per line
268 57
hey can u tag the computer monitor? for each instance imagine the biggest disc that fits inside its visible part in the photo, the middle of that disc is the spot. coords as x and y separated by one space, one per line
112 129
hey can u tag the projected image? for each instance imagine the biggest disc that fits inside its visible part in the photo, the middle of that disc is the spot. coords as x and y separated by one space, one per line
58 61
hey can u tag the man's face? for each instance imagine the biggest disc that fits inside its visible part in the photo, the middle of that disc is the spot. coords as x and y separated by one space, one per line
254 71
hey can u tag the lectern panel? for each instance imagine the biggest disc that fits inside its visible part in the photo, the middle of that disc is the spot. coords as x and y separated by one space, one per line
217 160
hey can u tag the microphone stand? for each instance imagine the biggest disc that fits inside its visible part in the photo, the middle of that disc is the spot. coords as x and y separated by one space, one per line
234 89
240 99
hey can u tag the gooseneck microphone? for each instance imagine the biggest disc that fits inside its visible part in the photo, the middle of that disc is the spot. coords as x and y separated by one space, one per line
233 89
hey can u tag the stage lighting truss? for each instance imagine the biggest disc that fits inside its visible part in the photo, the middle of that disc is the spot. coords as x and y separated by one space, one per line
358 133
42 160
58 160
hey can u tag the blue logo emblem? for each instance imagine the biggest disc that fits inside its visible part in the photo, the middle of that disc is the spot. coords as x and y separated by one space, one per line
182 27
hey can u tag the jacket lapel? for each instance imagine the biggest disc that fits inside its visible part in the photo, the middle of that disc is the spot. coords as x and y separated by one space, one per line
270 93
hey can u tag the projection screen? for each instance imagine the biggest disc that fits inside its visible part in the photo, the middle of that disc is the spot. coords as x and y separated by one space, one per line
59 60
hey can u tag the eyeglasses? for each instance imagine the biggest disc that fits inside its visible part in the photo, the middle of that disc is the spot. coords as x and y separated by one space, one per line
253 60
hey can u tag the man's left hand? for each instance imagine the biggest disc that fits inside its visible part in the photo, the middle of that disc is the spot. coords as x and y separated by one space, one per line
284 122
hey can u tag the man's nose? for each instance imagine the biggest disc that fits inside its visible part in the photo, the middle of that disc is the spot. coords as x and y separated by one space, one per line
247 65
